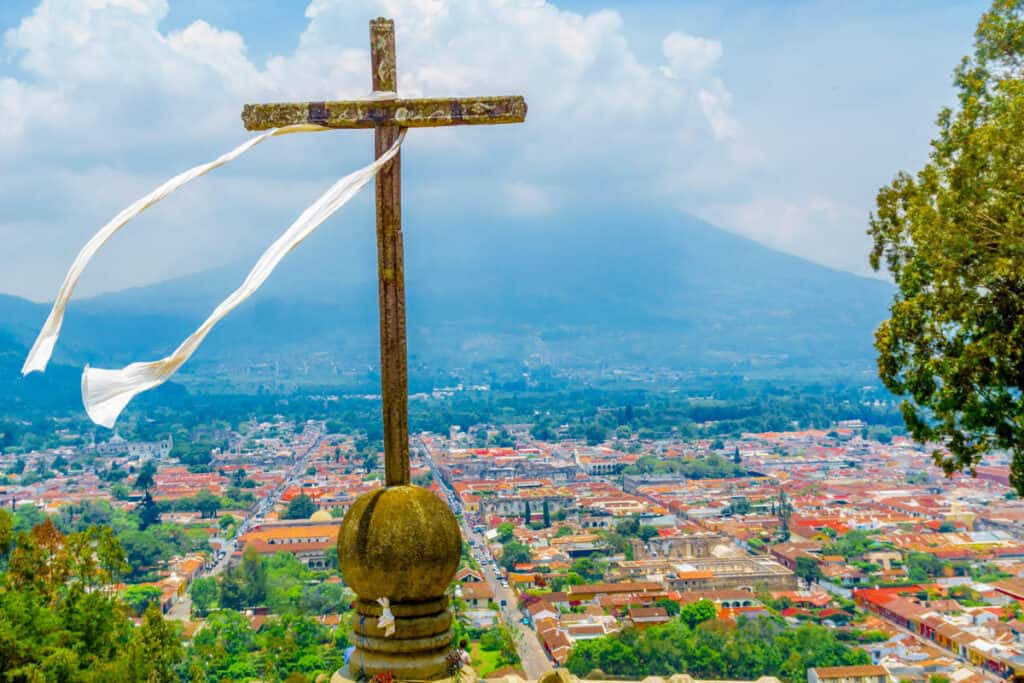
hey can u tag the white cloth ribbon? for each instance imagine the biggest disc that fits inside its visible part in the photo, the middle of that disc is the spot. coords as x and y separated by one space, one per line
105 393
42 349
387 619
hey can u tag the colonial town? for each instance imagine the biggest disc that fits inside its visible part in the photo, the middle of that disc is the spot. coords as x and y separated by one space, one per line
567 543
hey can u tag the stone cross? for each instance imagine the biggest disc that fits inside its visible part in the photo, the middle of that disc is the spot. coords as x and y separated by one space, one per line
387 117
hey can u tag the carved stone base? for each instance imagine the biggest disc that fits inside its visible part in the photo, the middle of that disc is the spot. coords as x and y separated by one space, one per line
467 675
417 650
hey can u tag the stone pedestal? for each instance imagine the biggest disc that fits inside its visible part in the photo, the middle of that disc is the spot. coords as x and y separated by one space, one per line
401 543
417 650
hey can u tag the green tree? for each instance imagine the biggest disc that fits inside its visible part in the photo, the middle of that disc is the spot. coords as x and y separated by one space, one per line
254 577
923 566
120 492
232 590
204 593
589 568
62 620
149 511
155 650
501 640
547 513
693 613
506 531
6 533
143 550
323 598
596 433
715 650
139 598
145 479
671 607
807 569
28 517
207 504
952 237
514 553
299 507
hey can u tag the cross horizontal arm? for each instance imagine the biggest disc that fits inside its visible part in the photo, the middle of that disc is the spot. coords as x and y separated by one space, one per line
413 113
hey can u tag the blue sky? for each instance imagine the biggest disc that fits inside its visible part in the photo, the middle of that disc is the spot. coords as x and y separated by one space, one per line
775 120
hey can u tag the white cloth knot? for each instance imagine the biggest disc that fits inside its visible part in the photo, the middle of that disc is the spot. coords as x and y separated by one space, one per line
387 619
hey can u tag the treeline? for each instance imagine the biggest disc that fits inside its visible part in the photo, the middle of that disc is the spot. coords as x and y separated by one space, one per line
726 407
281 583
62 619
714 466
744 650
146 546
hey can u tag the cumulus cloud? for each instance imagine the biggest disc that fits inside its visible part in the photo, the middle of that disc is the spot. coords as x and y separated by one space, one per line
815 228
99 80
688 54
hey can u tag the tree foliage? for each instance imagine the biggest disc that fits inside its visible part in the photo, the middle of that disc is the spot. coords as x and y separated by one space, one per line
698 612
715 650
300 507
952 236
61 620
514 553
204 593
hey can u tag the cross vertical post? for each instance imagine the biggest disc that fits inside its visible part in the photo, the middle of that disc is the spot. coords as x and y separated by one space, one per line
390 268
400 542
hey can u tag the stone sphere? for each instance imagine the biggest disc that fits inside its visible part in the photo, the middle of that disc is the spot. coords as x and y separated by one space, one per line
400 542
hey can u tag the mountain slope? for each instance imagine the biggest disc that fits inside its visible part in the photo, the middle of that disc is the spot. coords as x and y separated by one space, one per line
646 287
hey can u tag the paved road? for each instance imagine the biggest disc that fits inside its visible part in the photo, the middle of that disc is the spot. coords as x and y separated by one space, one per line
534 658
182 610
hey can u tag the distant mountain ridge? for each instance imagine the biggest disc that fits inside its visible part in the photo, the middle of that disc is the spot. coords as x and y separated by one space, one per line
645 287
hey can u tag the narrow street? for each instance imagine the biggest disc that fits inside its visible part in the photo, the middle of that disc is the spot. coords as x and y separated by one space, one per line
535 661
182 609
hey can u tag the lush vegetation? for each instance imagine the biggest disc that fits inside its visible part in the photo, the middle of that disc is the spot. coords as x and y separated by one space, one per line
952 236
61 620
713 466
299 507
716 650
228 648
280 582
727 406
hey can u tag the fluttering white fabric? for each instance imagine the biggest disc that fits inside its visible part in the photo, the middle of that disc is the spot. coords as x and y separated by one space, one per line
386 620
42 349
105 393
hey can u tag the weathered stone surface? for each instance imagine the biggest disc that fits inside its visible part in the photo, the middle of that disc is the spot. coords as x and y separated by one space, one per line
400 610
405 627
404 113
402 543
556 676
421 666
403 645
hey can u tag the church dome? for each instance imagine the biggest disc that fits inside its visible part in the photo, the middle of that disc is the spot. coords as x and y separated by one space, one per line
320 516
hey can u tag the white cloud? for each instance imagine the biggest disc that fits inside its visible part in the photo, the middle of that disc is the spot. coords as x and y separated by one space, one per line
815 228
102 81
715 102
688 54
